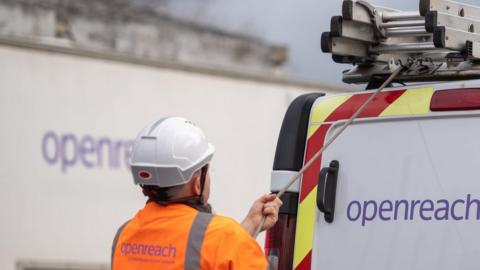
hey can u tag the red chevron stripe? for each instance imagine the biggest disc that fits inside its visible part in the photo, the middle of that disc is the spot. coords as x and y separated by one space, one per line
376 107
306 263
315 143
344 111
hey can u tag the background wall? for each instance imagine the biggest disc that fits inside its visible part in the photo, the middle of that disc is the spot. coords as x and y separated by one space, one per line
65 193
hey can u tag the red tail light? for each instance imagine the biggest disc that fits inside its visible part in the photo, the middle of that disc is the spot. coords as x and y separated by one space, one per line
280 239
456 100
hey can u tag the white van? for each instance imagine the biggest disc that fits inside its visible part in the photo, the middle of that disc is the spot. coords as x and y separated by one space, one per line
399 189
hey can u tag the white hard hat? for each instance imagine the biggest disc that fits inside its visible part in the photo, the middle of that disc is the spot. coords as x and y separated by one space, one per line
167 152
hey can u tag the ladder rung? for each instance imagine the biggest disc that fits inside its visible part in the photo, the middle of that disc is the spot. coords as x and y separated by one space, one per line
403 47
410 32
402 24
388 16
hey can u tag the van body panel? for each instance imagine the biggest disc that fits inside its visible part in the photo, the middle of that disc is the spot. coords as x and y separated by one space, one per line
328 110
398 111
420 164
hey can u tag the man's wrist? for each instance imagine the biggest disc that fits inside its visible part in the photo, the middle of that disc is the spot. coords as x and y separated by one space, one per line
249 226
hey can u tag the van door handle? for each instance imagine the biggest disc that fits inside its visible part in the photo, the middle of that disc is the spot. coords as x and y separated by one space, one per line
327 189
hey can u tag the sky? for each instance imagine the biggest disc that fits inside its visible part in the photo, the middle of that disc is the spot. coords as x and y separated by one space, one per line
298 24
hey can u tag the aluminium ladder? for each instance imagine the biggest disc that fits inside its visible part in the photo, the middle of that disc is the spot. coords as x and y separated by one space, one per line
440 42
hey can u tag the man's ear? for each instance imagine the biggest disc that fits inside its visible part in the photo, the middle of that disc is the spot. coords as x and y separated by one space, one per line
196 185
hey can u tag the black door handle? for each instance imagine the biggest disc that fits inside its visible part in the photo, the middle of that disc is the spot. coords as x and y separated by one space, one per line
327 189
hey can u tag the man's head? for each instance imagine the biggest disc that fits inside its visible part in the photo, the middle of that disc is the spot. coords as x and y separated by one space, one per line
170 160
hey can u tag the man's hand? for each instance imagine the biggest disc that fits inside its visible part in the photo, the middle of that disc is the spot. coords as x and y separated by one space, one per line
267 206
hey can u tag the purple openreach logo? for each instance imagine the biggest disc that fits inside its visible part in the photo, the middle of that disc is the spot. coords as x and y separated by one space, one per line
69 150
148 250
408 210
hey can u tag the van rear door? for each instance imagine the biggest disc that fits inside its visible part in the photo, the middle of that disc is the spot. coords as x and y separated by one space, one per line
407 194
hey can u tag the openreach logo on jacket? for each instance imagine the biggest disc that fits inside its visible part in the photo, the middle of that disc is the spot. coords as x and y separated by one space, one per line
467 208
152 253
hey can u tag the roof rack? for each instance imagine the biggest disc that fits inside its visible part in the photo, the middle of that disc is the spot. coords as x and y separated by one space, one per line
440 42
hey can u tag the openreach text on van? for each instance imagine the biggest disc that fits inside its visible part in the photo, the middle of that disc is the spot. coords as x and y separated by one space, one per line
410 210
68 150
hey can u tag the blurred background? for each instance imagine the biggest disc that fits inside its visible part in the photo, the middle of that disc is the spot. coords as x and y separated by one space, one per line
79 79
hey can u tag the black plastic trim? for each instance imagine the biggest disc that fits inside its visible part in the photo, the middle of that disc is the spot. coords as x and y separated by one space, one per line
336 26
346 59
347 10
293 134
326 42
376 81
290 203
424 7
342 59
439 37
431 20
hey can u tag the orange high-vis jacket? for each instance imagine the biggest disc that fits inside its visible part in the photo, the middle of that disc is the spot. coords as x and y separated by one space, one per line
179 237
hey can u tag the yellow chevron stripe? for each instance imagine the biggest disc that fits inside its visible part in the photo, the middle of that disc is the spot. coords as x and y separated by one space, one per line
311 130
322 109
306 220
306 210
412 102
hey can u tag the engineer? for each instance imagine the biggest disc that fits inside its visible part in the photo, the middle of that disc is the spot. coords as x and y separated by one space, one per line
176 229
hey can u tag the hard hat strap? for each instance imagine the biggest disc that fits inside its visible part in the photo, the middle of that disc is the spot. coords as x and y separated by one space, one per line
203 179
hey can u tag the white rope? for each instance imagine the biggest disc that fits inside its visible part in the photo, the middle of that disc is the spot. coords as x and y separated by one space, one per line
331 140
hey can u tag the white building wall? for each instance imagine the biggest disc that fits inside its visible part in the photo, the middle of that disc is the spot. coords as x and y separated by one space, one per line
71 214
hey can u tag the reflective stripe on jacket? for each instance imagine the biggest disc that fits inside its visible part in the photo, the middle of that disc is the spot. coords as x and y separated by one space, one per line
179 237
